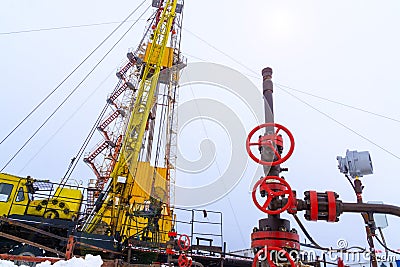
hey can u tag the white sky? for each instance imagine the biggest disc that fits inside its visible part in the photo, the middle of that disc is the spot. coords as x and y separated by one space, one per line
346 51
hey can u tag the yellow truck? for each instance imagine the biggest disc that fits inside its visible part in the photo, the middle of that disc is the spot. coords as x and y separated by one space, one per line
27 196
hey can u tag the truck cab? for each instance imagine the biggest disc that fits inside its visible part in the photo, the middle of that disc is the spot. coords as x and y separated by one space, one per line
14 194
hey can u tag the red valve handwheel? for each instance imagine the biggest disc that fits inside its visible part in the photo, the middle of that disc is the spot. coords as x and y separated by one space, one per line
270 143
270 194
184 261
269 259
184 242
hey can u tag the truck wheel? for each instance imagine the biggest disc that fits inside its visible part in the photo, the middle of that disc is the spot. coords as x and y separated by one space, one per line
26 250
51 214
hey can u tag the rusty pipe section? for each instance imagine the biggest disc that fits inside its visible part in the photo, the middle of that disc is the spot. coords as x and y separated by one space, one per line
342 207
268 89
371 208
267 154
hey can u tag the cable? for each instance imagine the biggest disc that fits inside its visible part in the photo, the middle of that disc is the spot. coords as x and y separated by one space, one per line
64 27
300 224
352 185
189 55
73 91
288 87
70 74
303 92
384 241
79 155
65 122
75 159
316 245
341 124
222 52
339 103
217 165
383 245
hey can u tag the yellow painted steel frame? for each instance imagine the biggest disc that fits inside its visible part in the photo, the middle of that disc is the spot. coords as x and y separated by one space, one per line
116 206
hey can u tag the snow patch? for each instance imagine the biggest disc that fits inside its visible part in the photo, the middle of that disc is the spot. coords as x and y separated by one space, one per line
88 261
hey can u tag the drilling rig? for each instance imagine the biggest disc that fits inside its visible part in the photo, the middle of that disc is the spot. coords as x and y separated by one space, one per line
126 213
129 203
129 162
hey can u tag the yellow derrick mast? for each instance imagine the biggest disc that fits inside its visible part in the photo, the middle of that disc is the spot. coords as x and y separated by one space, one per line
135 203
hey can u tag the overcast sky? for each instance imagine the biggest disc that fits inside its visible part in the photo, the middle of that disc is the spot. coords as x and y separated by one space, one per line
346 51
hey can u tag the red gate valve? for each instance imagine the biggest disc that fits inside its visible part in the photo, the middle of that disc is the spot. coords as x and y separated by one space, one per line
271 141
184 261
267 251
183 242
283 189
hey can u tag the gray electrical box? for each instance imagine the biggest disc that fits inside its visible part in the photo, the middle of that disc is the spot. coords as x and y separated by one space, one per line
380 219
356 164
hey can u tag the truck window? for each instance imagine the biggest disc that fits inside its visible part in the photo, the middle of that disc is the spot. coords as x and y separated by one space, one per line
5 191
20 196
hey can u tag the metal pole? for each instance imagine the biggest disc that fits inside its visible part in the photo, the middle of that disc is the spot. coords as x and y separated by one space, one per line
129 254
222 236
192 226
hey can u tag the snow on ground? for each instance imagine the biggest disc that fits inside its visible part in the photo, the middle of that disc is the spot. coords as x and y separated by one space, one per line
88 261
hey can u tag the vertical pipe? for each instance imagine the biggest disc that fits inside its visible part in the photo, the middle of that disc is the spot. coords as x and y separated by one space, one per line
358 187
267 154
268 89
129 254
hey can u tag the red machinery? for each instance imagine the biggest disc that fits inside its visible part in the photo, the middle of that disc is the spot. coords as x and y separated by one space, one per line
273 241
184 245
273 235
